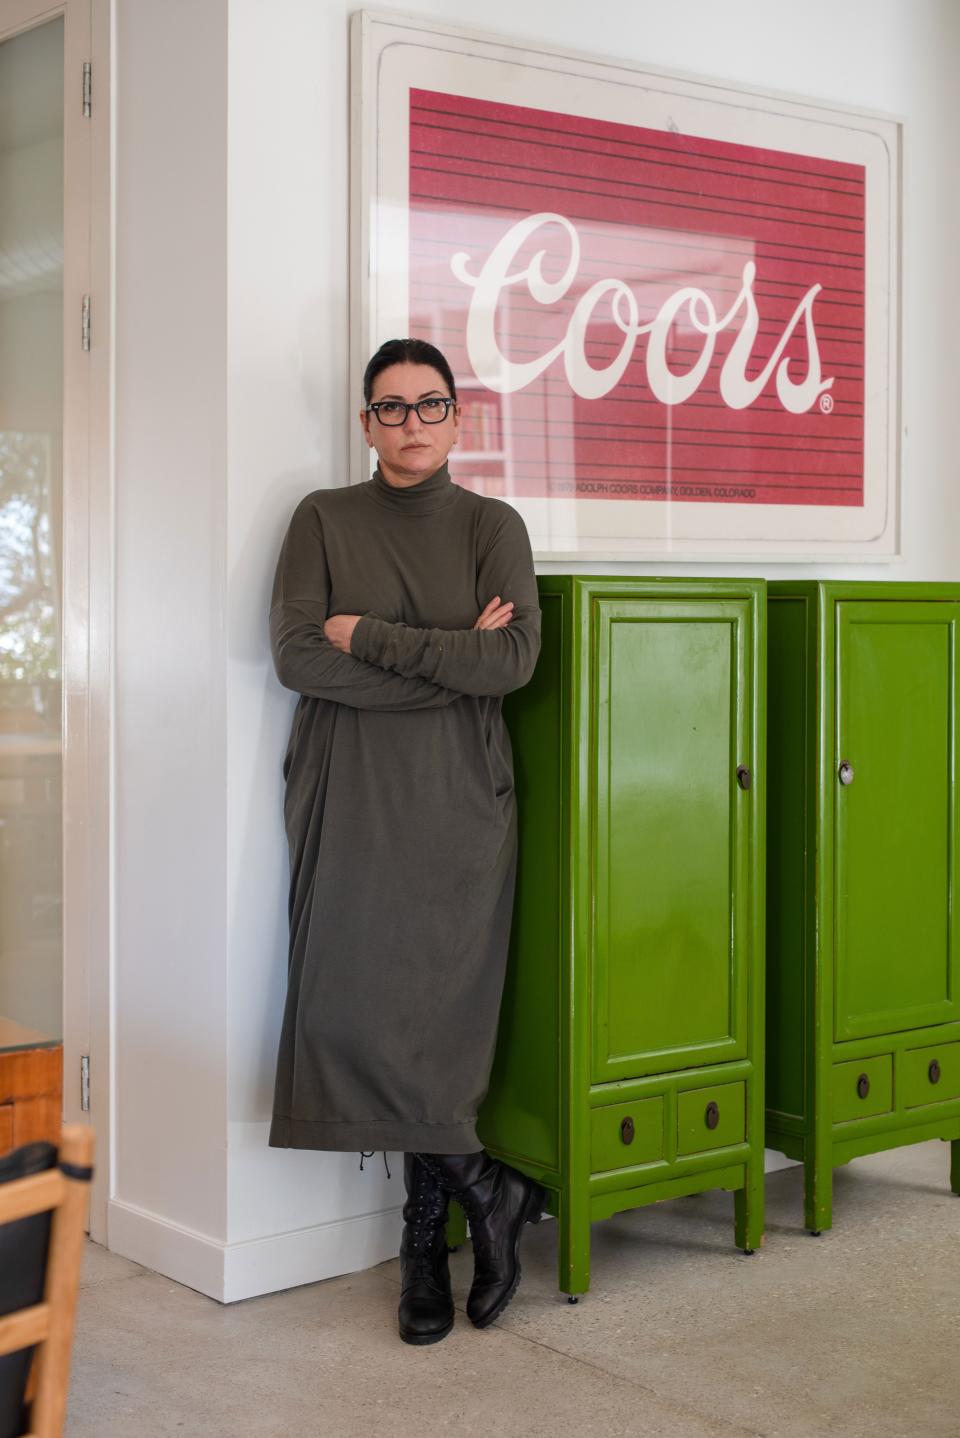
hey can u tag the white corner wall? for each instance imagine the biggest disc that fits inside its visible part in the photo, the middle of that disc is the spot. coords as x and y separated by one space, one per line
168 1202
233 400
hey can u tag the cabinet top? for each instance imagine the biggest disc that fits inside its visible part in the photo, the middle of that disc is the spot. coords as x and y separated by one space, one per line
633 585
828 591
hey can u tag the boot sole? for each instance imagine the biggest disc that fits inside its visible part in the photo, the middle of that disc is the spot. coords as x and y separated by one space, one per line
421 1338
532 1213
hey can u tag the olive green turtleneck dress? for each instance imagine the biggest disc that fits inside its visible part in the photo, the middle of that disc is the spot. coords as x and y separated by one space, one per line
399 809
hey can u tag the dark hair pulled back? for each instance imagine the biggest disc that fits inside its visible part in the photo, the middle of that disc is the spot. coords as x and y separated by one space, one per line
408 351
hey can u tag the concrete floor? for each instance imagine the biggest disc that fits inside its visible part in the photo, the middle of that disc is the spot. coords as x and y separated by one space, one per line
855 1333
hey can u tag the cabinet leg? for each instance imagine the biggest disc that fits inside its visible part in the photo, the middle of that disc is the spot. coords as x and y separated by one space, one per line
573 1246
817 1195
456 1225
748 1210
955 1165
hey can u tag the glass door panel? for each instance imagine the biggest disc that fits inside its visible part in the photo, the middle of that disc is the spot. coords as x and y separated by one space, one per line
31 442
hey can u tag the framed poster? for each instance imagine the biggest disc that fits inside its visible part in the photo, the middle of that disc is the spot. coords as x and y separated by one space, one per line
671 306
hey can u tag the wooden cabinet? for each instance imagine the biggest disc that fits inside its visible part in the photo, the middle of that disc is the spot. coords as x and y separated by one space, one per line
863 1033
628 1065
31 1086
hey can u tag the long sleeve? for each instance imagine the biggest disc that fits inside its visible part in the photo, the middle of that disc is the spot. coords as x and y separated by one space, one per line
472 661
303 656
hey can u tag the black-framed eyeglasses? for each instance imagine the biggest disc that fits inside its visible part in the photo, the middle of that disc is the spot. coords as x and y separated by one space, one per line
432 410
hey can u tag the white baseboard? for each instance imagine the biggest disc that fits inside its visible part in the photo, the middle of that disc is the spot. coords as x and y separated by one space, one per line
191 1258
285 1260
774 1161
230 1272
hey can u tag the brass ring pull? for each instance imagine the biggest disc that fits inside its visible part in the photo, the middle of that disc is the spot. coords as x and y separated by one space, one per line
712 1115
863 1085
933 1072
626 1130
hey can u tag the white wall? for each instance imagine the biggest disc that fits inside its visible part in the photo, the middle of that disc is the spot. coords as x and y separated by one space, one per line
202 869
169 1180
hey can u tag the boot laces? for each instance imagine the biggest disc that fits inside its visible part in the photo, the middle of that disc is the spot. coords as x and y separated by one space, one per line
428 1218
466 1199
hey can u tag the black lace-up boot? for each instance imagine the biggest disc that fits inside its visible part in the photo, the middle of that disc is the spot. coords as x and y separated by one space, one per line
498 1200
426 1303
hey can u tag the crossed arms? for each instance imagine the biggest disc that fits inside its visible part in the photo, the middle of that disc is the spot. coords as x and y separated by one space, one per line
395 666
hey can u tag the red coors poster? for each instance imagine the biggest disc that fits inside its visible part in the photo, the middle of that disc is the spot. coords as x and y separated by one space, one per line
669 338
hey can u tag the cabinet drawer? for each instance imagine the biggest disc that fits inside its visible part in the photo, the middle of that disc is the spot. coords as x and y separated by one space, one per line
862 1088
930 1075
711 1117
625 1134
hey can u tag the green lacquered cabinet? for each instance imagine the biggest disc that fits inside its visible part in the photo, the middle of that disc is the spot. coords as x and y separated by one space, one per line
629 1063
863 983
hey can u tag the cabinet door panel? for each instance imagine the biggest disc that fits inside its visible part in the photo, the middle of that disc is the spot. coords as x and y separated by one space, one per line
672 722
895 851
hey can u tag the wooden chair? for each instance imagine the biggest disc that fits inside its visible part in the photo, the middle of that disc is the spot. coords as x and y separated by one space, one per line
43 1203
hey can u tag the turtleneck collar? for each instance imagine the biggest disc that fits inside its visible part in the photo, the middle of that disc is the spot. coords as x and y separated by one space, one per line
435 492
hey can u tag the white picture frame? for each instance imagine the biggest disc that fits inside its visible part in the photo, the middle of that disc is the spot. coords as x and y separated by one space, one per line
396 55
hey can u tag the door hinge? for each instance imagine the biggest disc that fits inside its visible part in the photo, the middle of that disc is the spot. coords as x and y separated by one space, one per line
87 90
85 1083
85 324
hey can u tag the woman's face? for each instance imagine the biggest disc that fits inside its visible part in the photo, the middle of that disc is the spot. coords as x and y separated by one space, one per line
413 450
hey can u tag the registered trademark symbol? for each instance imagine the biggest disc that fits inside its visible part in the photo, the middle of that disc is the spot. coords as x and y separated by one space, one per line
826 403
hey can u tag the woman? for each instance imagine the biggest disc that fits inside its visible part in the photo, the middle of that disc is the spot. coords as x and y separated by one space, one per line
403 608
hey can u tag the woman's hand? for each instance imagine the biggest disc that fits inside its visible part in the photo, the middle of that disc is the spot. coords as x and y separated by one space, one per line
495 615
339 630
